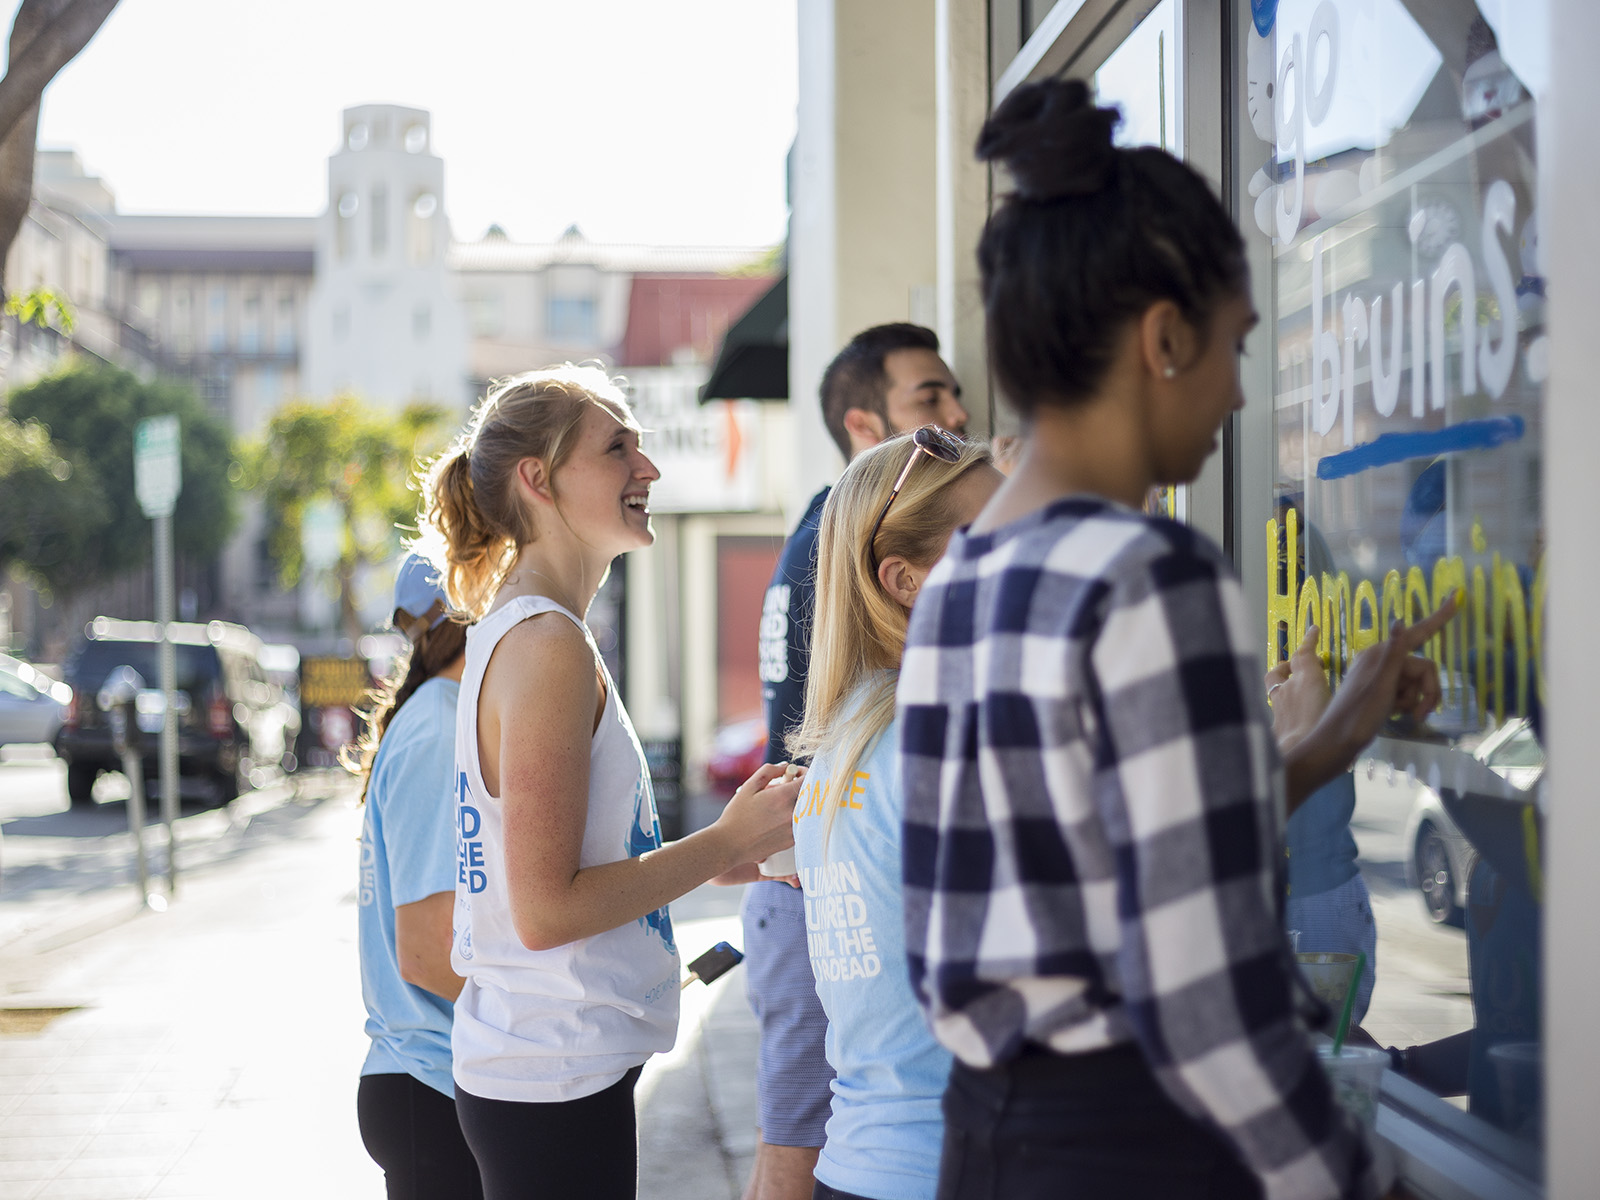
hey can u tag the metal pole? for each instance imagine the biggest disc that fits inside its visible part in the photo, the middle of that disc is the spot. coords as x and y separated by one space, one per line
169 686
133 768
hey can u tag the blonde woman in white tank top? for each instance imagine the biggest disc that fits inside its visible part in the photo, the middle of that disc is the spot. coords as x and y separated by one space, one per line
561 926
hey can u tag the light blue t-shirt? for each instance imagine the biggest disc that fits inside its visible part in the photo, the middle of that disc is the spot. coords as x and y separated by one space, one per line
886 1129
408 853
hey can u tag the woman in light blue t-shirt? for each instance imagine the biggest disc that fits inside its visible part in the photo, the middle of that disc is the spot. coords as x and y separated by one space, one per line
405 1103
884 525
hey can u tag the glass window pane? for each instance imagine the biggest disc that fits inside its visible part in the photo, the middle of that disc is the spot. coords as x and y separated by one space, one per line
1140 77
572 318
1390 154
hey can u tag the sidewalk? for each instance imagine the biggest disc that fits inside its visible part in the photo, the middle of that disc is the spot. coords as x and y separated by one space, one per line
212 1050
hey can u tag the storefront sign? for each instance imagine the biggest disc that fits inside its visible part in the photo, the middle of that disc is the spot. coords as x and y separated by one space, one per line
706 454
327 681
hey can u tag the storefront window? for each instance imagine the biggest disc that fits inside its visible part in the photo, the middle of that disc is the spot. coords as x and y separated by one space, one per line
1390 152
1140 79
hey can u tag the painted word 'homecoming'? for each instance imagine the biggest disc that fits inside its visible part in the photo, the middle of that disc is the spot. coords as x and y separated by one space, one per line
1490 656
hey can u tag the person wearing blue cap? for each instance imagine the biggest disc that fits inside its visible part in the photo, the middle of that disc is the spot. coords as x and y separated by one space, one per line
406 1099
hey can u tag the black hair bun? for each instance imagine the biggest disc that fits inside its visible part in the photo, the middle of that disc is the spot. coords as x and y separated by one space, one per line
1052 139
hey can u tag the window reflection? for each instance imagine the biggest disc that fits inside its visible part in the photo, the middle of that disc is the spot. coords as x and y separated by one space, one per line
1389 149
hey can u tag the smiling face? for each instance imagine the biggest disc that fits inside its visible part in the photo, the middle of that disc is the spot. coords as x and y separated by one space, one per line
602 488
1188 412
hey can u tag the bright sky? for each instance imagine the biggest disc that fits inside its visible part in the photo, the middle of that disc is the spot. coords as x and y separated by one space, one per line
639 120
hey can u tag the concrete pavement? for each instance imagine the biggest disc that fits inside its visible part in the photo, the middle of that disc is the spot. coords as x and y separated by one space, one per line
212 1050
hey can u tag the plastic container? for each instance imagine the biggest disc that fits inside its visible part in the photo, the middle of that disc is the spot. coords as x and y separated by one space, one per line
1329 976
1519 1070
1356 1074
778 865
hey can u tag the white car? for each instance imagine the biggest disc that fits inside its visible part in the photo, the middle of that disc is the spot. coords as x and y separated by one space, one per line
32 705
1441 857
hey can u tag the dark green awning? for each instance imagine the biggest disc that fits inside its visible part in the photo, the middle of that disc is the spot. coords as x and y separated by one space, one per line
753 363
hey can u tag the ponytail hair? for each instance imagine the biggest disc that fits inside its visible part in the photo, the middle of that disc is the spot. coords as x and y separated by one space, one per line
431 653
472 519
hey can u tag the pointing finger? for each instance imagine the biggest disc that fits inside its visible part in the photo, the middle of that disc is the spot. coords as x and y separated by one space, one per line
1416 636
1305 656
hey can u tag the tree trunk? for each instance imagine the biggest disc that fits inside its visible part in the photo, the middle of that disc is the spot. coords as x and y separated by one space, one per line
16 185
45 36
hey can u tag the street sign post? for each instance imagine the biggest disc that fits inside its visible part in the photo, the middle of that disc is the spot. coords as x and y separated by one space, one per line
157 480
157 464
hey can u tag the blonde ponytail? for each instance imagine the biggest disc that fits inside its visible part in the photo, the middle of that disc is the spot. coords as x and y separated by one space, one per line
476 557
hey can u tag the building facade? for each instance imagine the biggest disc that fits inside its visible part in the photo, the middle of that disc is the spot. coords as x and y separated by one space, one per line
384 318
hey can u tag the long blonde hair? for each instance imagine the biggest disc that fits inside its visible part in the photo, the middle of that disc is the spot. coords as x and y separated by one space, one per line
858 630
472 525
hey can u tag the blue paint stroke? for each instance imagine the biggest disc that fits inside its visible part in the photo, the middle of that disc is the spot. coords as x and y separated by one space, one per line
1402 447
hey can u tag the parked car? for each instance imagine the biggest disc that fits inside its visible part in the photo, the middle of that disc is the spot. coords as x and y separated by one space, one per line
1441 858
234 729
736 751
32 705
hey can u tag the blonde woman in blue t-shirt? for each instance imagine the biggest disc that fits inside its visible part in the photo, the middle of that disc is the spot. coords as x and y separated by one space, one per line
884 525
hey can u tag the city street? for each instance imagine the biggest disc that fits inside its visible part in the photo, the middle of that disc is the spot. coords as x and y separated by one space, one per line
212 1049
1422 991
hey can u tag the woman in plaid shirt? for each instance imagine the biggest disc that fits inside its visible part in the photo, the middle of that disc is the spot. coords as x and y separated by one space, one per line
1093 791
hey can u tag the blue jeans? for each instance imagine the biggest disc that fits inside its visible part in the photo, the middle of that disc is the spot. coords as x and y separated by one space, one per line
1091 1126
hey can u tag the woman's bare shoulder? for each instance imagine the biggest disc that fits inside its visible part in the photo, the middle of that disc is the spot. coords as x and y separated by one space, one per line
545 650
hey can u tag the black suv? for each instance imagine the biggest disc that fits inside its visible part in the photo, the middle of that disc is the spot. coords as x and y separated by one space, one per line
233 723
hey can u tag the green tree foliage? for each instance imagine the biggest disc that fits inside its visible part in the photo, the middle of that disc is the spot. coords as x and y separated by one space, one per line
42 307
90 412
49 512
362 459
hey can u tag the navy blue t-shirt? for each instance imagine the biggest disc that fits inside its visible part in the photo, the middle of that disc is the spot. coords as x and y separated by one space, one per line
786 630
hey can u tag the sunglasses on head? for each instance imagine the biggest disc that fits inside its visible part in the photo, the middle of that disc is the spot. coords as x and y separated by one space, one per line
935 443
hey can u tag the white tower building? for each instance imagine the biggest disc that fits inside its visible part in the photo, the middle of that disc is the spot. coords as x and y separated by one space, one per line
384 321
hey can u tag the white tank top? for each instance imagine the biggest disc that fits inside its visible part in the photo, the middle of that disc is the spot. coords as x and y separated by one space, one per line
548 1025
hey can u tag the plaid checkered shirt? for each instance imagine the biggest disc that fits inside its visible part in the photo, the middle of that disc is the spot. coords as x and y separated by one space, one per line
1091 827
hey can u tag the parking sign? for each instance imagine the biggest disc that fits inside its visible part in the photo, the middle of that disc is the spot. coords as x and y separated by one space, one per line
157 468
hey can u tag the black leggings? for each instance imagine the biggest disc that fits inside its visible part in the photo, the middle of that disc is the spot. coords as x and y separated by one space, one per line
411 1132
823 1192
587 1147
1096 1124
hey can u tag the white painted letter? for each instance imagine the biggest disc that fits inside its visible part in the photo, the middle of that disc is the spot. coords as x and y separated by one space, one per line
1324 23
1497 362
1386 386
1292 137
1324 353
1454 270
1355 335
